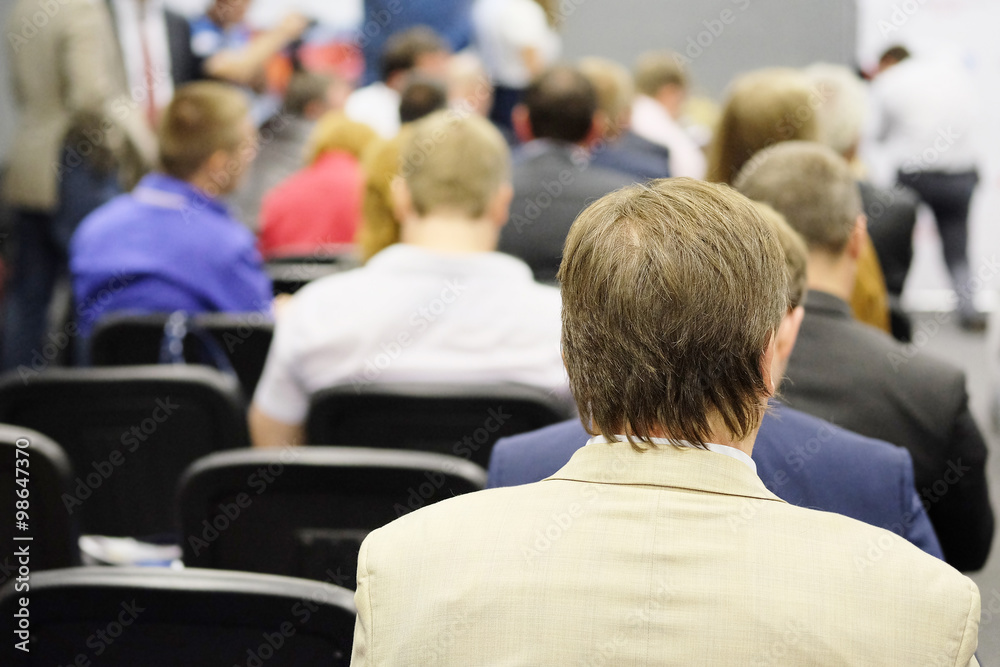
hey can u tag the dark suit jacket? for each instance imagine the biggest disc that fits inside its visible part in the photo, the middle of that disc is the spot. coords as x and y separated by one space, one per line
636 156
860 378
184 65
553 183
802 460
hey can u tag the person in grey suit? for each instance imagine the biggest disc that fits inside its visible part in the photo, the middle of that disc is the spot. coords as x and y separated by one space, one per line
554 179
860 378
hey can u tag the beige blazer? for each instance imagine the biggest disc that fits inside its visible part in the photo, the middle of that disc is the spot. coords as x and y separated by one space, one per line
65 62
669 557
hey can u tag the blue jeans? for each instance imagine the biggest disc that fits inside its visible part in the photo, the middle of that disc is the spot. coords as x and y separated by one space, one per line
41 257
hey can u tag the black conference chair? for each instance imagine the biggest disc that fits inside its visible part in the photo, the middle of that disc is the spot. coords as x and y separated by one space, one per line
291 272
304 511
157 617
128 340
35 469
460 420
129 432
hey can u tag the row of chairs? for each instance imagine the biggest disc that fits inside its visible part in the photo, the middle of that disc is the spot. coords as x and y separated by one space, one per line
299 512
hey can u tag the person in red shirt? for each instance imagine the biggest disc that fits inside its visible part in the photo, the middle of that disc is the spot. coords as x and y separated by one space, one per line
321 204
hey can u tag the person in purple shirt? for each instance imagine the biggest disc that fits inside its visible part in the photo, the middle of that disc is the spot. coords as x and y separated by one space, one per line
171 244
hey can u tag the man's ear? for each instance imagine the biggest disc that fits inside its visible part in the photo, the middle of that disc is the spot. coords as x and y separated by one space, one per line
521 120
402 200
856 241
498 210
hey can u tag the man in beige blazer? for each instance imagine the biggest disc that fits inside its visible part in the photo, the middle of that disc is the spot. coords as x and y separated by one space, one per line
77 122
667 550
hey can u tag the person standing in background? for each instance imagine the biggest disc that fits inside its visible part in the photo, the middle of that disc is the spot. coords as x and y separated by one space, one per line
79 132
927 110
517 41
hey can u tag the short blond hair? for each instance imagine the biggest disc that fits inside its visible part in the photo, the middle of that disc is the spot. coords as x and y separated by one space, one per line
202 118
843 105
796 254
455 163
336 132
671 291
655 69
764 107
811 186
613 84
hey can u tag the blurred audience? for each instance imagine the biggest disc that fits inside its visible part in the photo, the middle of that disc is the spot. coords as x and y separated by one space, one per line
662 82
171 244
620 148
469 87
517 41
865 479
321 204
383 19
927 110
79 138
841 106
284 137
768 106
553 177
417 50
231 52
441 305
860 378
421 97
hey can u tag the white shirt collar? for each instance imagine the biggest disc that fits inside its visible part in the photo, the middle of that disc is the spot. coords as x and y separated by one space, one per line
725 450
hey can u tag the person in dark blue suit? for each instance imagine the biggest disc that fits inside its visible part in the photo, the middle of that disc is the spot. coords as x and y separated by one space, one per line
800 458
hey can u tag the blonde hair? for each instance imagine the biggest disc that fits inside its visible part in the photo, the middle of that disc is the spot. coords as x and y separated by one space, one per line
614 87
336 132
655 69
202 118
454 163
379 227
763 108
843 105
671 292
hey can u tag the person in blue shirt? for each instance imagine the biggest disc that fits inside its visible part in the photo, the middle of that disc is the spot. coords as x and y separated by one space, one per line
171 244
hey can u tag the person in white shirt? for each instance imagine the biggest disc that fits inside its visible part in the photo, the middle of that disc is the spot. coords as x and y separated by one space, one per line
662 85
441 306
925 124
419 50
517 41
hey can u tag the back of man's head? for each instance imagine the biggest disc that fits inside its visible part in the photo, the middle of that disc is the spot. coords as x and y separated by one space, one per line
671 293
203 117
421 97
307 91
842 104
811 186
655 69
892 56
795 251
403 51
454 165
615 91
561 103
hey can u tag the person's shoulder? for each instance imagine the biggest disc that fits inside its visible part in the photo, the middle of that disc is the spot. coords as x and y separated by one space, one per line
569 432
107 220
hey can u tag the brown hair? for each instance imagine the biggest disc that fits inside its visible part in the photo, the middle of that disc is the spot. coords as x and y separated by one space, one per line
763 108
671 293
796 254
454 163
655 69
203 117
811 186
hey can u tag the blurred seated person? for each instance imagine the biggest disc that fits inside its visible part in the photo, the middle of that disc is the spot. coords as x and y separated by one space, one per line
418 50
440 306
320 204
620 148
231 52
171 244
553 177
284 139
662 82
763 108
421 97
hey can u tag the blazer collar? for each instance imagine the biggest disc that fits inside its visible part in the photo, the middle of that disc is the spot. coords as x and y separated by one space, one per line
827 304
665 465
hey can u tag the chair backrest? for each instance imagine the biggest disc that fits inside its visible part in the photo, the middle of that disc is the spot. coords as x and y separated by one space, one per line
303 511
455 419
35 471
123 340
129 432
158 617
